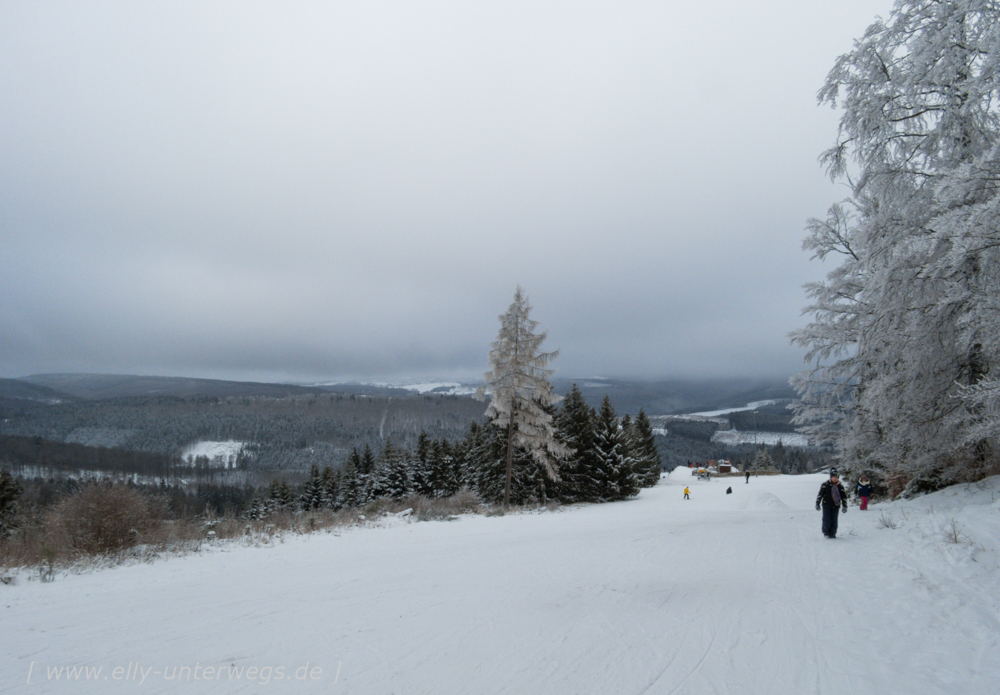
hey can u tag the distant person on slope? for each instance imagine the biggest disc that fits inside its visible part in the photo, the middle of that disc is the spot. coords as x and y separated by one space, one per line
687 493
832 499
748 476
864 491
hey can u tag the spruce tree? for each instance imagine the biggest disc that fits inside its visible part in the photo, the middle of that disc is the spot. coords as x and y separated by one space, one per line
366 468
490 456
647 457
460 453
420 472
349 491
474 455
378 480
576 423
10 492
445 475
397 476
312 490
328 488
522 486
617 478
280 495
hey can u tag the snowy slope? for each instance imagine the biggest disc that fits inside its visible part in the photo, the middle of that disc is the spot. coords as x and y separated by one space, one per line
718 594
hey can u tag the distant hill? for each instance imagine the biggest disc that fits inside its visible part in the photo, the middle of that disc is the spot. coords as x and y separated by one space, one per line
291 427
669 397
663 397
16 389
105 386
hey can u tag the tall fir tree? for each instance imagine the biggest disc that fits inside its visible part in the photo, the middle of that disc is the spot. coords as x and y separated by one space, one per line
520 390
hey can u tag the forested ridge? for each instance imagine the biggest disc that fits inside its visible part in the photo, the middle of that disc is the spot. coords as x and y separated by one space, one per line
290 433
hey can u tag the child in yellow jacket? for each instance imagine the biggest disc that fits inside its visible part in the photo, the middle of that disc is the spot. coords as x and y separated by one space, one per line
687 493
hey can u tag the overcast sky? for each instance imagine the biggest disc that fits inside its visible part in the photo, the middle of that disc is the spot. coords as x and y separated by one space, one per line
318 190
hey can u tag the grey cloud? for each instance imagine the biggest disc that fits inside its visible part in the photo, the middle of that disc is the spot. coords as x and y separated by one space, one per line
356 188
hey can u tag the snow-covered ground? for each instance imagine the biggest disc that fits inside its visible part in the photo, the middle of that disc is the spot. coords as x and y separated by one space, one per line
735 438
721 593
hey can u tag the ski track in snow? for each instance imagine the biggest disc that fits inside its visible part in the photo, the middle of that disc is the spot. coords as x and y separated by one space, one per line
718 594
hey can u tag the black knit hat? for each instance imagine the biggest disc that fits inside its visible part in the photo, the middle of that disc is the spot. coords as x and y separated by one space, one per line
833 472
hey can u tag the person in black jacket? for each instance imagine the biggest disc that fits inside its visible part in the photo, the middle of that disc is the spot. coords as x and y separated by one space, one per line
831 499
864 491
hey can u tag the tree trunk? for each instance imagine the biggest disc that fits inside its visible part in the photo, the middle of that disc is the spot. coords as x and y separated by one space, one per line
510 458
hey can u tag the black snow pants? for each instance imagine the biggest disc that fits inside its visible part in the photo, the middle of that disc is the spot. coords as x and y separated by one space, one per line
830 517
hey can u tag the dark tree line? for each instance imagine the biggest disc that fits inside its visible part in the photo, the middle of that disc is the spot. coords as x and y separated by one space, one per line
27 455
290 434
610 459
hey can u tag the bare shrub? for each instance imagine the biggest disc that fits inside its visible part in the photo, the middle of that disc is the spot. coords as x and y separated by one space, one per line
436 508
953 533
424 508
886 521
104 519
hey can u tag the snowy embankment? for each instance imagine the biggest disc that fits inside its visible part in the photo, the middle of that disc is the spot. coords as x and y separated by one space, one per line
721 593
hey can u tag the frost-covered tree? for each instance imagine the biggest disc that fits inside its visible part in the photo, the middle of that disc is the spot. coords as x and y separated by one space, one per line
762 460
520 391
905 330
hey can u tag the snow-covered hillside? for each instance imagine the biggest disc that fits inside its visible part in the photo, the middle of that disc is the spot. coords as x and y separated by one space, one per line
222 454
735 438
721 593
